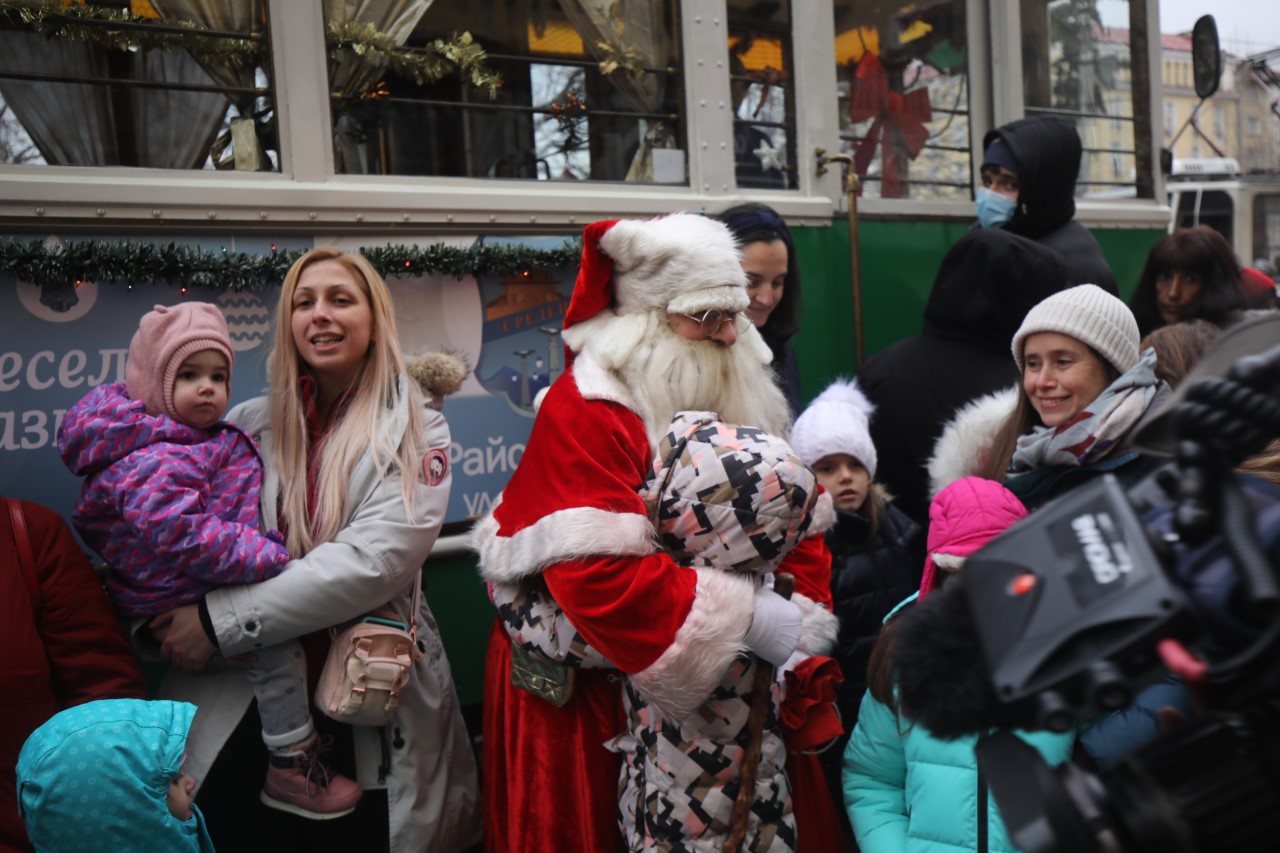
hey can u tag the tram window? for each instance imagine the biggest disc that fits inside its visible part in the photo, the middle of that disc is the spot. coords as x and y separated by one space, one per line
1266 227
589 92
167 84
1076 66
1206 207
903 85
761 74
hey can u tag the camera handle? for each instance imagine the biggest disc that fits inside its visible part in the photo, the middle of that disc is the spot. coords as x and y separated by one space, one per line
1224 421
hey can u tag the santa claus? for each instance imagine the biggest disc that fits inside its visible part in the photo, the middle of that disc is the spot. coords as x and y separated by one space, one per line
655 326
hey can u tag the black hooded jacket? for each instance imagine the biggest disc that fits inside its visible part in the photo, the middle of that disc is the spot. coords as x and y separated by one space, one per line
987 283
1047 151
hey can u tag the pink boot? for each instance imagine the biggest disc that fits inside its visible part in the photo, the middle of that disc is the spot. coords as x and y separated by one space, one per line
300 783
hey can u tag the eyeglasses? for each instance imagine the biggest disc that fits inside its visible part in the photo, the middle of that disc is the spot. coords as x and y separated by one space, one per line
713 319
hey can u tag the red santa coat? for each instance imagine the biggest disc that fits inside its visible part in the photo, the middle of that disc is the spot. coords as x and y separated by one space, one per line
572 515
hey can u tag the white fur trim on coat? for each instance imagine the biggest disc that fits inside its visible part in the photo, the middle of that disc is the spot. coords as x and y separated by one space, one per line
570 534
820 626
824 514
684 675
967 438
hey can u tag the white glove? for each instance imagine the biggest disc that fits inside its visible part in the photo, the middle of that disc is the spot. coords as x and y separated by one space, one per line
775 627
780 674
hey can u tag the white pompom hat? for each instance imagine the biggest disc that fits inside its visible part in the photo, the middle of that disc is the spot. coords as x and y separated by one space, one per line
837 421
1090 315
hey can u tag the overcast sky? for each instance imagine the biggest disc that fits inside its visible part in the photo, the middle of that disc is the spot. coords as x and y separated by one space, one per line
1244 26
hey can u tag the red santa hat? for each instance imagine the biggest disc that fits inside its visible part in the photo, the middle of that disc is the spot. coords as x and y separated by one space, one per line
683 263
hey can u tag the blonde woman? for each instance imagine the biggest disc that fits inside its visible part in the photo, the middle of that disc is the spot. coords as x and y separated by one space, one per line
345 436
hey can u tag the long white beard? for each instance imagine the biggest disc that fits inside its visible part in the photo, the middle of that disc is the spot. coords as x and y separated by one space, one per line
666 373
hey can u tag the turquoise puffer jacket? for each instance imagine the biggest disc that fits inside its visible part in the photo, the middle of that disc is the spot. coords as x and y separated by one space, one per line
96 777
909 792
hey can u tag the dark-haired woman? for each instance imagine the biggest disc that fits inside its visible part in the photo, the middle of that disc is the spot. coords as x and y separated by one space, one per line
1190 274
773 283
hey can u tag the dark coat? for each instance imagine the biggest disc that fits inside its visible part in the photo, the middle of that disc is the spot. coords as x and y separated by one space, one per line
786 371
869 576
1048 153
986 284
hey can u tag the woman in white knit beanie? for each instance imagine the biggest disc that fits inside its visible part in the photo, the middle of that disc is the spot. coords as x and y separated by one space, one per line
1085 386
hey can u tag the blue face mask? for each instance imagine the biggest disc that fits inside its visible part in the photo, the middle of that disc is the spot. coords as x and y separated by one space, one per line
994 209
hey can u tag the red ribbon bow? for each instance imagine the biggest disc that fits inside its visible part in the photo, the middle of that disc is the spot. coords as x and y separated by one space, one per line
899 122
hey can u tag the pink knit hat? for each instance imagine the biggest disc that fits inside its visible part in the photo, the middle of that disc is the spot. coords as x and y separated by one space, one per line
964 516
165 338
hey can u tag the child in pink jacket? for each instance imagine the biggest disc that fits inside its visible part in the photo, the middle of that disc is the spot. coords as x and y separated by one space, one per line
170 502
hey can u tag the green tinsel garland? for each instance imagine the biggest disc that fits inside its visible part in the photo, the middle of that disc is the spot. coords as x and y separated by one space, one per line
172 264
458 54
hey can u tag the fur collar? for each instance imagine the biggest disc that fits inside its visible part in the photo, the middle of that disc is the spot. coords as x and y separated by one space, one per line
967 438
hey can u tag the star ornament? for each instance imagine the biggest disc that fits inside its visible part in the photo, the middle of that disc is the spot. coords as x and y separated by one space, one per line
768 156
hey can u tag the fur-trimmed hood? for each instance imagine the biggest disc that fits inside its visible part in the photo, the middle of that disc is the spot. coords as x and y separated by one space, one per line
967 438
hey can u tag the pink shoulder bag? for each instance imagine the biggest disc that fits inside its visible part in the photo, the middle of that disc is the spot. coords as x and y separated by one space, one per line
369 663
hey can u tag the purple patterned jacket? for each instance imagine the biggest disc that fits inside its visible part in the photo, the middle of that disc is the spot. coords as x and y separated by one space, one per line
173 510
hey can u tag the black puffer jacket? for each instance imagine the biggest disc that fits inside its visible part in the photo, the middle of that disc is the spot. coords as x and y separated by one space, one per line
869 576
986 284
1048 153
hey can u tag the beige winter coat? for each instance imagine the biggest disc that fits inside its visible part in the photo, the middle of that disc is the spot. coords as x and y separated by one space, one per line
432 789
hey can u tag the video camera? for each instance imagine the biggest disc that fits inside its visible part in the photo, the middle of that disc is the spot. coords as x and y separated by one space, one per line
1076 608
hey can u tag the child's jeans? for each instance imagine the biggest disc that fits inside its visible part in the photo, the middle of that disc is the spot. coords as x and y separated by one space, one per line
279 678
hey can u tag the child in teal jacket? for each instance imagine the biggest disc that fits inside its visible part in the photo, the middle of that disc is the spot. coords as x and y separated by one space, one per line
107 775
905 790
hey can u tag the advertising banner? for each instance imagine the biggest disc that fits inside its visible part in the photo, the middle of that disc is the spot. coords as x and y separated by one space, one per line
58 342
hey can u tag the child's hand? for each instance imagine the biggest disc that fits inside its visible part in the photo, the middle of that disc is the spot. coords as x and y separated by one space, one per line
182 639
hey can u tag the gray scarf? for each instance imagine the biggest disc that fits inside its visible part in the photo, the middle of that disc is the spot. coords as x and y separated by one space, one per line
1098 428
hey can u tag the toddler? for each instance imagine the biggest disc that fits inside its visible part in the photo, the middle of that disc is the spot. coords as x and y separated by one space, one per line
107 775
170 502
736 499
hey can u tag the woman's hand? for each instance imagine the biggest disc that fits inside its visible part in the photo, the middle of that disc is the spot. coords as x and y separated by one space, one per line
183 641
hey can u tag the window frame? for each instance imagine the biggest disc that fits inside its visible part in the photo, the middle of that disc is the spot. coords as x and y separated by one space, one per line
306 196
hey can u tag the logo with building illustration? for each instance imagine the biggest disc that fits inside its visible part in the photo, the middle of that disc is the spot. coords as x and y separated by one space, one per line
522 351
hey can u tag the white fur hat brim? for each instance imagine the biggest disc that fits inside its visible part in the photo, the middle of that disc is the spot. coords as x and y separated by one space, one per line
682 263
697 301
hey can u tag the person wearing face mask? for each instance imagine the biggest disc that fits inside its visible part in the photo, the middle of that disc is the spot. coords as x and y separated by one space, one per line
1029 170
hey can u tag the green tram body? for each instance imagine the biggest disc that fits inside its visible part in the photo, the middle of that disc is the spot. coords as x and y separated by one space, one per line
899 259
310 198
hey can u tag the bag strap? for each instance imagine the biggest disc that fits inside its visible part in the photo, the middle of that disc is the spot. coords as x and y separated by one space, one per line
26 558
413 610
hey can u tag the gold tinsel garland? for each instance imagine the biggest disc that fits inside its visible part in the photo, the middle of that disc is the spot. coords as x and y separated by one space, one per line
52 18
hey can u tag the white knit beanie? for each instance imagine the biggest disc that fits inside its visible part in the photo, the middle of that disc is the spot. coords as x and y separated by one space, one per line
1090 315
837 421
